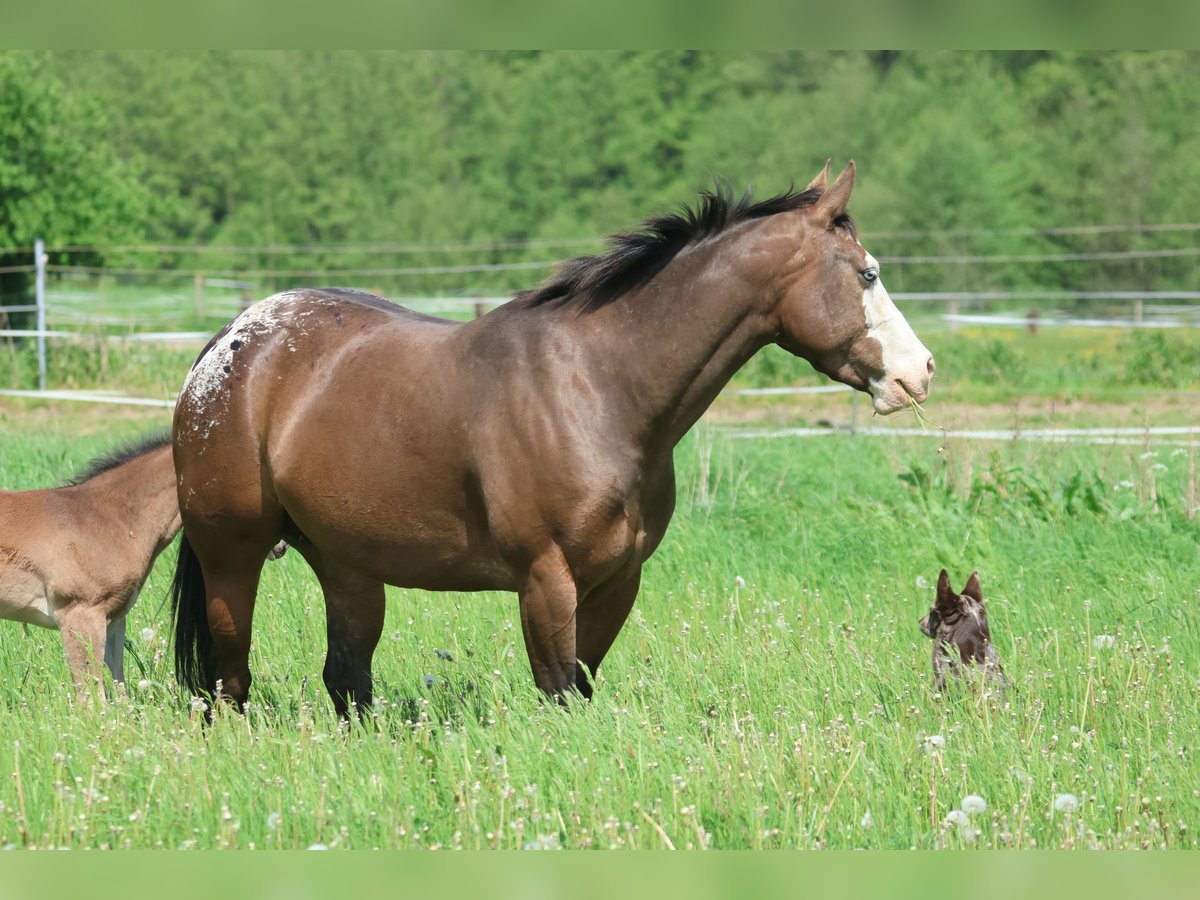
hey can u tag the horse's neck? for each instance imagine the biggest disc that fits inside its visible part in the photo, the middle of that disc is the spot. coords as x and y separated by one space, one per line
675 343
144 490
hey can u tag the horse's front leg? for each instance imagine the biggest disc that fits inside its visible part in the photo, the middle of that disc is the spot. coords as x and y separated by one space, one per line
599 619
548 601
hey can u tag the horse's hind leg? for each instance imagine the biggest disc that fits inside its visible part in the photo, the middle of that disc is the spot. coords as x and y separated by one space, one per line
354 611
231 568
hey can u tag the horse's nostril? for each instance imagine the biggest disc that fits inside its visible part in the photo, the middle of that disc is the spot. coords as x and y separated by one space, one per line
930 366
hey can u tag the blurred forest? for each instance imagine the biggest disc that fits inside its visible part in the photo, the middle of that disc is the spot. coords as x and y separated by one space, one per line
263 149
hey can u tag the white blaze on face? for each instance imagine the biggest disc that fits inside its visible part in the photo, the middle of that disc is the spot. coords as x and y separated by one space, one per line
906 370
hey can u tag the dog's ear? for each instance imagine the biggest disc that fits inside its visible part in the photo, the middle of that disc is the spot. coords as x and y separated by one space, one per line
946 598
972 589
929 623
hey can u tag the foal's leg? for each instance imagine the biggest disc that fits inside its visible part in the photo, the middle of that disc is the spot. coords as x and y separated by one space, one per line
114 650
83 627
354 610
598 620
548 602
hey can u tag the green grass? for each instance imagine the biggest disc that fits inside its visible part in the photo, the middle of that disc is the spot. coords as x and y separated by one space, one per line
770 689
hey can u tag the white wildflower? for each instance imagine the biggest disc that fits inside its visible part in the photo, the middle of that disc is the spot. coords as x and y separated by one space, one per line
273 821
144 685
922 582
147 635
956 817
1149 454
739 581
973 804
1104 641
867 821
1066 803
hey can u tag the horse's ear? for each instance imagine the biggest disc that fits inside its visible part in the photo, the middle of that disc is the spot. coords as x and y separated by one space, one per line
973 589
833 201
822 180
946 598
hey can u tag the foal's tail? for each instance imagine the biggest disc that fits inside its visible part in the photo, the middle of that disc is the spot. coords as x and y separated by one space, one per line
193 640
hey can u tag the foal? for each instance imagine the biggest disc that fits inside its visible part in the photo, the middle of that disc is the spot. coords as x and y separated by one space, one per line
74 558
959 627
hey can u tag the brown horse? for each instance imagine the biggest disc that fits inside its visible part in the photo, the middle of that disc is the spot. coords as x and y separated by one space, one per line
74 558
962 640
529 450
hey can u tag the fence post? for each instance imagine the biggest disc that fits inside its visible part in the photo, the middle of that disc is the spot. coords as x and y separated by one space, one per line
198 280
39 262
952 311
1139 310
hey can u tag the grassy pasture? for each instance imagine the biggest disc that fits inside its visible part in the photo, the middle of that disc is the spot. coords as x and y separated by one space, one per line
770 690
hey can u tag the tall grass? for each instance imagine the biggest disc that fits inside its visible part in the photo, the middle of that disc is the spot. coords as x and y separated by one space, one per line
770 689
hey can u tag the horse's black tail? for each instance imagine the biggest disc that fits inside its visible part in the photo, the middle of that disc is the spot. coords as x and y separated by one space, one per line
189 608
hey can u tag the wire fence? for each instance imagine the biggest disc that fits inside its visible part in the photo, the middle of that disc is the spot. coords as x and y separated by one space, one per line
1127 276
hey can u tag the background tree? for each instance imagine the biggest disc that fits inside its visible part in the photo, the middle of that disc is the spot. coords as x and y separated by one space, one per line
59 177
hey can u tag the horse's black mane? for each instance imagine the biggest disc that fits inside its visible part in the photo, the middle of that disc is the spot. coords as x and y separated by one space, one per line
635 257
119 456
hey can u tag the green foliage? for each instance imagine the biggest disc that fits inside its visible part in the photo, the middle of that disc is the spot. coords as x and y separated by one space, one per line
1152 358
59 178
305 147
769 690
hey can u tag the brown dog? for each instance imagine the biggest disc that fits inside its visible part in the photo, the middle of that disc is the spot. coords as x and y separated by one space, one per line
959 627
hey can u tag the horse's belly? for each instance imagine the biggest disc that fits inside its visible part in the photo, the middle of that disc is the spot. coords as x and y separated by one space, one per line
23 599
429 552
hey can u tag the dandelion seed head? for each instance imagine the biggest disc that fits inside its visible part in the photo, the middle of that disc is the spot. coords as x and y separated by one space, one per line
973 804
317 846
147 635
922 582
739 581
956 817
273 821
1066 803
867 820
1104 641
542 842
934 742
144 684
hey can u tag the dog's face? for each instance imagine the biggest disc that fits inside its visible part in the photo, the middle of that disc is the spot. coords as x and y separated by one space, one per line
959 627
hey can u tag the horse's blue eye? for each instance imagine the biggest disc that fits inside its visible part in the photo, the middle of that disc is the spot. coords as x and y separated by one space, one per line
870 275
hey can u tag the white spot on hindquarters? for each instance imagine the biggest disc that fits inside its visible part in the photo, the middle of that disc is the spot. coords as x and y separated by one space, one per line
208 387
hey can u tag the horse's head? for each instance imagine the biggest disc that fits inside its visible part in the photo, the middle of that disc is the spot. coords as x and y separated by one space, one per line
958 625
834 311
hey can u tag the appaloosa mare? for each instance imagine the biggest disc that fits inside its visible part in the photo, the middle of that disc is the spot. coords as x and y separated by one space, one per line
962 640
529 450
75 557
